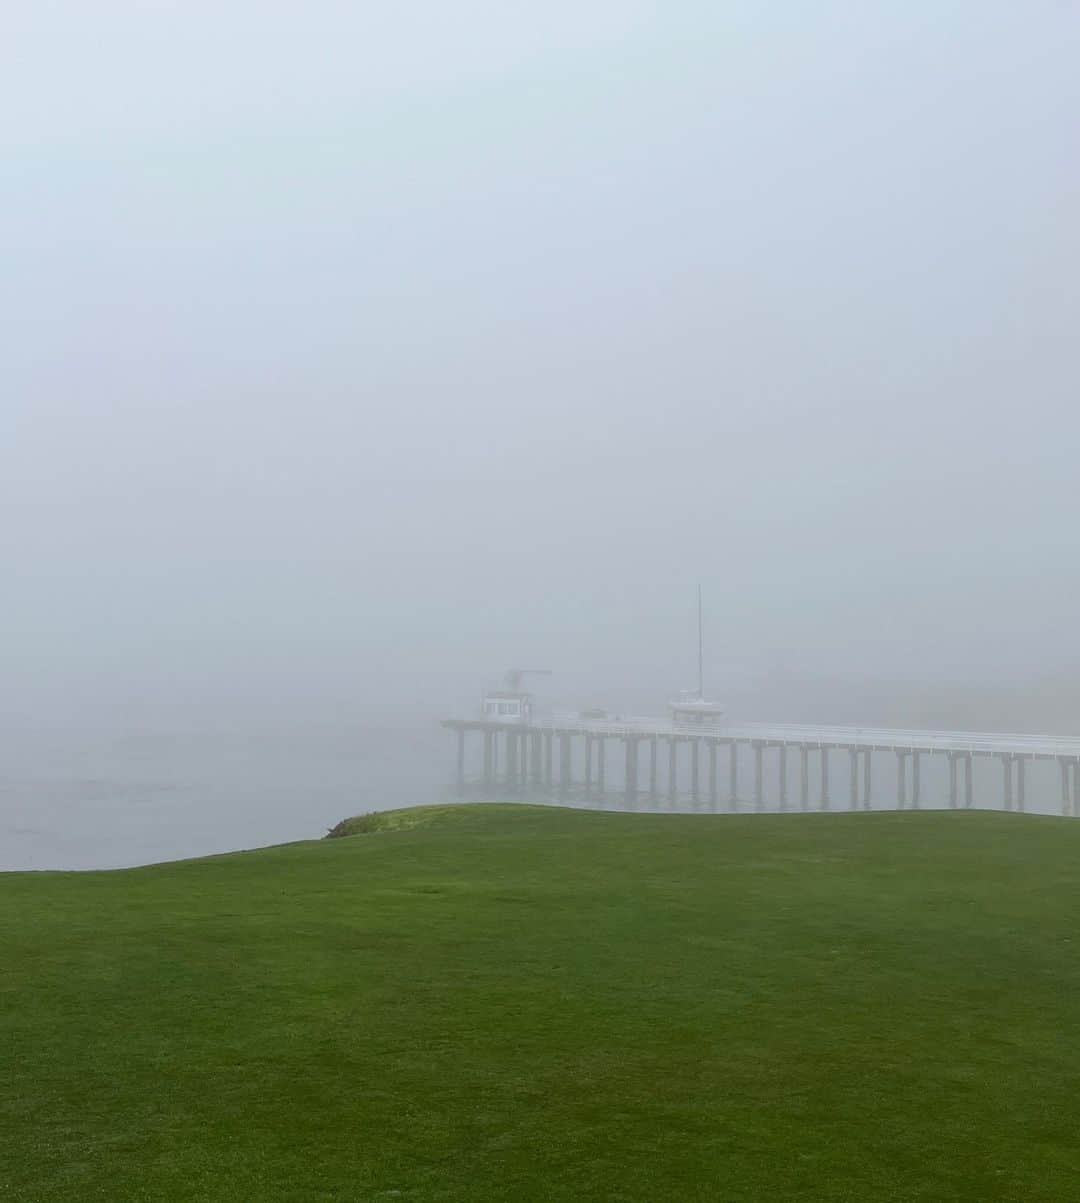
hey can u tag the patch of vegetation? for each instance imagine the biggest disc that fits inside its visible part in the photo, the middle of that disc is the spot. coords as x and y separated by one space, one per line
411 817
534 1003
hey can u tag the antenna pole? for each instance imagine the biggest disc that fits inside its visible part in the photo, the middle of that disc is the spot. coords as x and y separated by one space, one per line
700 649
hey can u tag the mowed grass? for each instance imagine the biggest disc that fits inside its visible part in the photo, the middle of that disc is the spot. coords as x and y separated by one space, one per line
522 1003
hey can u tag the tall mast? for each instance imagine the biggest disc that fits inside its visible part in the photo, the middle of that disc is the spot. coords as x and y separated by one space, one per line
700 649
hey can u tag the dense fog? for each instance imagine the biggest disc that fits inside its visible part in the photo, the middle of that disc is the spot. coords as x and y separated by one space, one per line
356 354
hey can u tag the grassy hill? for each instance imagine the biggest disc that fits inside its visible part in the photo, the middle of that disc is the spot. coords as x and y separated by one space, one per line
522 1003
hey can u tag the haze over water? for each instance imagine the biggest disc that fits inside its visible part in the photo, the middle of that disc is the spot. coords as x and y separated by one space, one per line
114 790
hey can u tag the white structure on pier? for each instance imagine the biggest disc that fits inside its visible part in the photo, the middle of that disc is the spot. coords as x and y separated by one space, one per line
511 703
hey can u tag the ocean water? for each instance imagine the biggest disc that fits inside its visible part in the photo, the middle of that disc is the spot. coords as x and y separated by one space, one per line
79 798
76 797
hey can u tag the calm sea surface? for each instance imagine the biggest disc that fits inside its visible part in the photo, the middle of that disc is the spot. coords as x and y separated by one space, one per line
73 799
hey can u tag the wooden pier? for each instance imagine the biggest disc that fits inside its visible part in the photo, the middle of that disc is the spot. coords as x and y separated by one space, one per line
748 766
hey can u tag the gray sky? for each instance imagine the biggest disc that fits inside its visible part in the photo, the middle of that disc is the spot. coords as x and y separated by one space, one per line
359 351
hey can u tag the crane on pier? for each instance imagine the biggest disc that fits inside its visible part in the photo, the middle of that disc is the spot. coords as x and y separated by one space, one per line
514 676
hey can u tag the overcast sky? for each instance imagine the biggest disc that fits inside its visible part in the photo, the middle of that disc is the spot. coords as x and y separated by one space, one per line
365 350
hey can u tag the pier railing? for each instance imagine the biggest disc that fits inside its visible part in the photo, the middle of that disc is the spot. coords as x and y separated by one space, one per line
879 738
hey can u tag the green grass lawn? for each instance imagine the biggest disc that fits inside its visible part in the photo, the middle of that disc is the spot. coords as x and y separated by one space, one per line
522 1003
